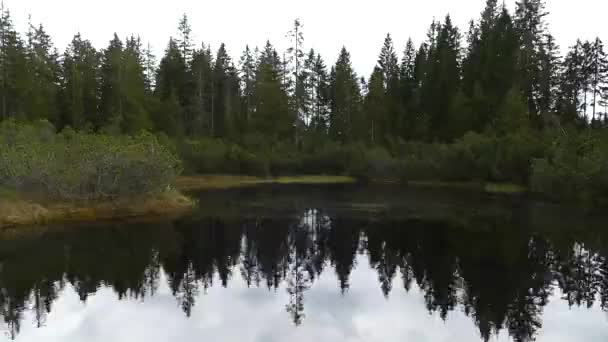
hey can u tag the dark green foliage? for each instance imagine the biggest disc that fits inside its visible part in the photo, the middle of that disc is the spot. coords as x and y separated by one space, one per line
575 167
446 111
82 166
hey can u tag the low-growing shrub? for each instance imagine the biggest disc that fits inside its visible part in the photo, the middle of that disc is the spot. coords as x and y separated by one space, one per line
83 166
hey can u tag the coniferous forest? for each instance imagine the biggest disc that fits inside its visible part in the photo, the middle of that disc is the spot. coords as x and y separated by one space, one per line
497 101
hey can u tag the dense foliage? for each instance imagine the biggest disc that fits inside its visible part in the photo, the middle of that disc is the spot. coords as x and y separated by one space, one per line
82 166
478 105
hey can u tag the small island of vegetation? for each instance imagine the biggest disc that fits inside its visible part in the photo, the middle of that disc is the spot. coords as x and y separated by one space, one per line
93 133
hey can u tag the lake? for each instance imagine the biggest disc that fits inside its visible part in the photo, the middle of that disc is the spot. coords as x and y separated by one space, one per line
315 263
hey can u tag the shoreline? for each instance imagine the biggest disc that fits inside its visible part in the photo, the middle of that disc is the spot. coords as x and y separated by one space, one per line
23 212
17 211
207 182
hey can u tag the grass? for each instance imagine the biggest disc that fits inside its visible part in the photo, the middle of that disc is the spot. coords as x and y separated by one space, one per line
504 188
14 212
227 181
493 188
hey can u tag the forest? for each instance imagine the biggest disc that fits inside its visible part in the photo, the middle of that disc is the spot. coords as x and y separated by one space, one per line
498 101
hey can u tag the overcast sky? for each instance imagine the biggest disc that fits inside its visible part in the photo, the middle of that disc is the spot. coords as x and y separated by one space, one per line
328 24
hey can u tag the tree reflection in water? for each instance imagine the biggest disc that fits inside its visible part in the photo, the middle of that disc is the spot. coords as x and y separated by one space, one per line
500 275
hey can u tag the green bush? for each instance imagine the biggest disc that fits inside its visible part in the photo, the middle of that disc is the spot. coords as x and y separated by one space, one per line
83 166
474 157
575 167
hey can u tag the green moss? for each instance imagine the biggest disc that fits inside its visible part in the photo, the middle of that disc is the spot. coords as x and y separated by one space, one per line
8 194
504 188
494 188
227 181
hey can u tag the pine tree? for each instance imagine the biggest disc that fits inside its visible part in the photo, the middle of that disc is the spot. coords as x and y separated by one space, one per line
390 126
549 74
320 98
43 66
442 78
490 68
201 70
599 76
571 84
225 95
294 64
375 107
408 89
14 75
247 76
345 123
271 118
530 26
80 85
150 69
184 40
171 91
112 83
135 115
307 81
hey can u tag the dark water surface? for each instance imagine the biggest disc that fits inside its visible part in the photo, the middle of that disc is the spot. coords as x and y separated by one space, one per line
294 263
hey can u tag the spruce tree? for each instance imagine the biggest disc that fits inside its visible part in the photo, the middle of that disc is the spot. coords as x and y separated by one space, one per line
80 85
43 67
599 74
184 40
408 89
388 62
14 75
294 65
271 112
135 115
201 70
531 28
320 98
345 123
375 108
247 77
112 84
171 91
226 101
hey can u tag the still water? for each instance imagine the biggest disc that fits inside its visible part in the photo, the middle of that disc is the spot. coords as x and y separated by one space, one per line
292 263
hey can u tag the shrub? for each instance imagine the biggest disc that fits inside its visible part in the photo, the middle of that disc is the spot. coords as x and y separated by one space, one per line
83 166
575 168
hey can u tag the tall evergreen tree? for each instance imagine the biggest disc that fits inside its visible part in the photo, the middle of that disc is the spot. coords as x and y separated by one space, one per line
226 102
135 116
408 89
247 76
14 76
171 90
388 63
112 84
344 100
43 66
571 85
271 115
320 95
531 28
599 73
184 40
80 85
201 69
375 107
549 74
443 77
295 65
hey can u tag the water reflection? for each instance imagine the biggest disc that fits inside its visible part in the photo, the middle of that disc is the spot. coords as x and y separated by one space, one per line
502 277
